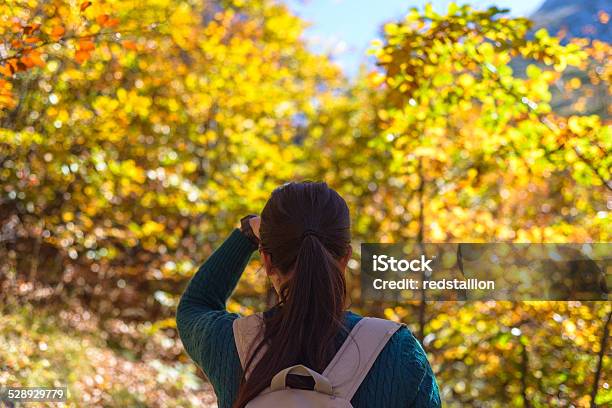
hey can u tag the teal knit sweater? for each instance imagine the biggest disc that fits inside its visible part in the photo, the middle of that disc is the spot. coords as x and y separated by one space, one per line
400 377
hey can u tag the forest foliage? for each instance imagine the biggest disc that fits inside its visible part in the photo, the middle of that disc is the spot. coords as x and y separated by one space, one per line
133 136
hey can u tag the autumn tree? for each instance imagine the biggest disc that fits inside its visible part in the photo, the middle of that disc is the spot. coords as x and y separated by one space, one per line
134 134
456 141
128 162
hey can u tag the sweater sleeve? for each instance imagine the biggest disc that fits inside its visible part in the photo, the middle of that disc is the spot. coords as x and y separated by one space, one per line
203 323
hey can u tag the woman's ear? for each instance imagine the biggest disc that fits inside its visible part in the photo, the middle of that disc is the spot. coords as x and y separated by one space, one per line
273 275
267 262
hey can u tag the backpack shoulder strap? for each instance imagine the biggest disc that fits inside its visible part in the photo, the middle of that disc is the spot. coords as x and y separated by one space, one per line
353 361
247 334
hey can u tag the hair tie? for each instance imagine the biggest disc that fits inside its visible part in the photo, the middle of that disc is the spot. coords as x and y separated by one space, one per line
310 232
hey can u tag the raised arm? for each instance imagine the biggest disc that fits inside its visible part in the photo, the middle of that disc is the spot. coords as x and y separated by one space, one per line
203 323
217 278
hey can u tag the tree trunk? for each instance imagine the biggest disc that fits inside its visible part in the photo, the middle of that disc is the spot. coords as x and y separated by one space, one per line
524 371
420 240
602 353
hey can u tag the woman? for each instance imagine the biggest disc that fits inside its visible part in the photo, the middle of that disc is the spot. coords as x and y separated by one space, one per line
304 240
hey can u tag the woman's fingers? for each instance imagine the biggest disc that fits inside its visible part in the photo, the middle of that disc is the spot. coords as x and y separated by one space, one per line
255 221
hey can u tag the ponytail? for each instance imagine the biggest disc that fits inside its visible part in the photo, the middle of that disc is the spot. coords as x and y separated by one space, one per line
315 303
302 327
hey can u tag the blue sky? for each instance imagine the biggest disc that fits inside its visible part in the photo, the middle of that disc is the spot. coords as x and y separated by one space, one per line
345 28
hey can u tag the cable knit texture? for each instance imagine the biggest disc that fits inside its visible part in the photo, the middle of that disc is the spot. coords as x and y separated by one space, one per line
400 377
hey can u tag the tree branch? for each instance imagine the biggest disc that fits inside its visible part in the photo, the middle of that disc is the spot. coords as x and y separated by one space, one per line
602 352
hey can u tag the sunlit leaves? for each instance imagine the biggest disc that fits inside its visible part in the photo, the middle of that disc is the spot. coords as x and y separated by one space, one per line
31 36
458 85
134 140
155 139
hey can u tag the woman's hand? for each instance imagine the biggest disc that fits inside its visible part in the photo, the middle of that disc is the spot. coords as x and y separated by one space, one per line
255 222
249 225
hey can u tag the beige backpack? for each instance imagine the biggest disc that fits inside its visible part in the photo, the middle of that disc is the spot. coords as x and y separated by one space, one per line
333 388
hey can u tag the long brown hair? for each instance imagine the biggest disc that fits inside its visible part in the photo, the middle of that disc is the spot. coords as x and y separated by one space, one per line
305 228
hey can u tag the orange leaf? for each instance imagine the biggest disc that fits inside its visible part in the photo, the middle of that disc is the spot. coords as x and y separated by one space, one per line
32 40
6 70
57 32
27 61
36 59
102 18
29 29
82 56
7 100
112 22
85 4
130 45
13 65
86 45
